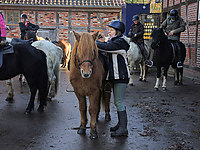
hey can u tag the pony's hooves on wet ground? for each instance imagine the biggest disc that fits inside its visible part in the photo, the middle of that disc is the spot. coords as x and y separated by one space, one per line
27 112
81 131
93 135
9 100
40 110
131 84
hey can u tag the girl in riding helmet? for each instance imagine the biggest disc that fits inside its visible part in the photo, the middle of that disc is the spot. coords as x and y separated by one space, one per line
2 30
26 26
118 74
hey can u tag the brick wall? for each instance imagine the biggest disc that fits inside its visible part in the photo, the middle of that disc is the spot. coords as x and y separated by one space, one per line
165 3
171 2
79 19
176 2
192 12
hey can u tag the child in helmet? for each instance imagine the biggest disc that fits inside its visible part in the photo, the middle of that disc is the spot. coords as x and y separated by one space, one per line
118 72
136 33
26 26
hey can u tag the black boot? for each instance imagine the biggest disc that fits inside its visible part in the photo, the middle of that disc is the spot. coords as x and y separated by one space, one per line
117 126
144 54
179 63
122 130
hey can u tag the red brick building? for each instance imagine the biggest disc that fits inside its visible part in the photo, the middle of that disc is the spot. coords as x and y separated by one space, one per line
57 18
189 10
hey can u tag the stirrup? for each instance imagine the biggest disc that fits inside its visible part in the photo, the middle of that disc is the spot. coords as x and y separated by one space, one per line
148 64
179 65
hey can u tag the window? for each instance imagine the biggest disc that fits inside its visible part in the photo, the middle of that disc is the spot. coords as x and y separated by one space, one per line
12 17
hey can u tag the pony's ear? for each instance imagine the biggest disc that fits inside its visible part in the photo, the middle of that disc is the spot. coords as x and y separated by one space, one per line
77 36
95 35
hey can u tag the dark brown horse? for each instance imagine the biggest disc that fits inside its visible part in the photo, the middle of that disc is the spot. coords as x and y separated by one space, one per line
86 76
66 47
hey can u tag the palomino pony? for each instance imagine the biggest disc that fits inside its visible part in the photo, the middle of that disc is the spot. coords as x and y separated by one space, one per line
135 57
86 76
66 47
30 62
165 55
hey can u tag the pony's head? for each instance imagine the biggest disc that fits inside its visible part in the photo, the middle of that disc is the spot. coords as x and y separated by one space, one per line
158 36
86 52
29 35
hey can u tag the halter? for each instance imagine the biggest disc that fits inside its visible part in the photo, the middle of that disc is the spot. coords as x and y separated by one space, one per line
79 64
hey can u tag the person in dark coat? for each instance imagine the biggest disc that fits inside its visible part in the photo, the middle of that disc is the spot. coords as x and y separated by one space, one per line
118 72
173 26
136 34
26 26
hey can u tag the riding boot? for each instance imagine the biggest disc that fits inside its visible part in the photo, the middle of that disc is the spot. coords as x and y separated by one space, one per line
122 130
117 126
143 51
179 63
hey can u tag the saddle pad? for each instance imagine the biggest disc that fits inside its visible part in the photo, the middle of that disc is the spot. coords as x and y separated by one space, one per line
9 50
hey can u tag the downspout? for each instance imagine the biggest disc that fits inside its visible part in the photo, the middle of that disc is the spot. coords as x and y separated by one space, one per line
188 40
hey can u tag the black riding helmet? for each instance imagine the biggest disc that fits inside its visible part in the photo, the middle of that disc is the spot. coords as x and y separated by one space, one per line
173 13
135 17
24 16
118 25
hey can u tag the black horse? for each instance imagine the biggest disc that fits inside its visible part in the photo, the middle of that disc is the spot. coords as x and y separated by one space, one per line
30 62
165 54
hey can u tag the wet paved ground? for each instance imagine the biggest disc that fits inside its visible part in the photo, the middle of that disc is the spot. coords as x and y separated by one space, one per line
157 120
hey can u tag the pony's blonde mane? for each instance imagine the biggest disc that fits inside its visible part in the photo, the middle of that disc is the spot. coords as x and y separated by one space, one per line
87 46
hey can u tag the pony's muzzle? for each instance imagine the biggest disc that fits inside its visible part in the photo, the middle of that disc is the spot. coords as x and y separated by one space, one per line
86 74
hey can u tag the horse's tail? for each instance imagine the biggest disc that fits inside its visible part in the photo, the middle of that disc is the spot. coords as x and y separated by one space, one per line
43 80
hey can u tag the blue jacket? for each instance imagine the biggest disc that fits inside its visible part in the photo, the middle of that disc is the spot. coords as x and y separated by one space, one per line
116 49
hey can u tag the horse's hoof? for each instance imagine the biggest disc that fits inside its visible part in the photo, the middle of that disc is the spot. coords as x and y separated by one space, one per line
164 88
156 89
93 134
176 82
131 84
27 112
40 109
107 117
49 98
140 79
180 83
9 100
144 80
81 131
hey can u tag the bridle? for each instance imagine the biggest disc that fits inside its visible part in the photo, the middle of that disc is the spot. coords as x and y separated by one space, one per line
80 63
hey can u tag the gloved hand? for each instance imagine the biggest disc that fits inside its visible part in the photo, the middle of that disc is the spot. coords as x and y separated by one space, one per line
30 28
3 40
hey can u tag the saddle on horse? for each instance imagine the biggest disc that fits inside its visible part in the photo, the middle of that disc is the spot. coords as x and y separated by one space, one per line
5 49
177 53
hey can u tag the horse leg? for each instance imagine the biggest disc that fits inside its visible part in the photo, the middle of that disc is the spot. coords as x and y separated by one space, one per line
131 73
181 76
52 88
23 80
176 76
164 85
105 99
10 95
141 71
158 78
93 110
33 90
83 113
